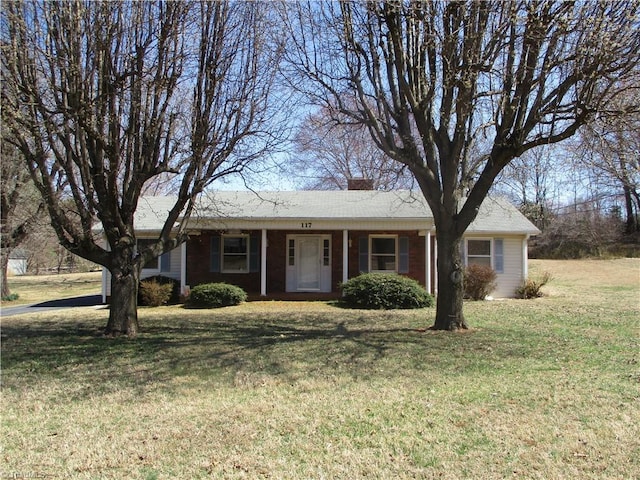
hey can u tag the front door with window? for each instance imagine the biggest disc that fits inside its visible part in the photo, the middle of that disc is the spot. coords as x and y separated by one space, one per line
309 263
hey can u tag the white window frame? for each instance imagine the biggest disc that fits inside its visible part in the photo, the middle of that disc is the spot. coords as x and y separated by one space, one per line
326 252
395 259
247 253
481 239
291 251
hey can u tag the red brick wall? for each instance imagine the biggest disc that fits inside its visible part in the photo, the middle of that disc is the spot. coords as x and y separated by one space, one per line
199 264
416 252
199 261
276 261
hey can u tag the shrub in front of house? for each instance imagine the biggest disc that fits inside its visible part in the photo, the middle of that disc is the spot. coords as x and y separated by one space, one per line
479 281
532 288
154 293
158 293
385 292
216 295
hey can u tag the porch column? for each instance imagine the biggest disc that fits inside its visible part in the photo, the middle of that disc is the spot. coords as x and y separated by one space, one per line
345 255
105 280
427 253
106 277
435 260
183 268
263 264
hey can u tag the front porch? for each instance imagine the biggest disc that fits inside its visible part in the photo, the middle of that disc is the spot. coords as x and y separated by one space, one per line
283 264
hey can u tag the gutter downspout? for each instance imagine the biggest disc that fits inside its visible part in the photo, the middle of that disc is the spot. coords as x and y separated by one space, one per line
525 258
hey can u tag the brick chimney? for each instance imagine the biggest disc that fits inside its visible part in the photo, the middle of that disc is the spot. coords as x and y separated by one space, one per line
359 184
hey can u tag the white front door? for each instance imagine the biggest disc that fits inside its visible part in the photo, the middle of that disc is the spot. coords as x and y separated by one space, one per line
308 262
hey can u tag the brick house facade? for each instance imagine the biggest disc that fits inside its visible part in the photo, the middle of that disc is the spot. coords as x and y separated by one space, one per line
305 244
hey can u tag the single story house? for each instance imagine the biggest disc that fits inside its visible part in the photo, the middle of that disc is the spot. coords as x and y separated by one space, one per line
304 244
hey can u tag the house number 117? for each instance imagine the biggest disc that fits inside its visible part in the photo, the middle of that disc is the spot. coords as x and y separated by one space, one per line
305 224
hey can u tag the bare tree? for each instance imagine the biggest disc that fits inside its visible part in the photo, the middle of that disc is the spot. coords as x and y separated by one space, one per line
456 90
21 207
531 182
102 98
610 147
329 153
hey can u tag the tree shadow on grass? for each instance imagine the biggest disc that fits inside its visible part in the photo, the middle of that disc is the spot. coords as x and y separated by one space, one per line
209 349
218 349
276 348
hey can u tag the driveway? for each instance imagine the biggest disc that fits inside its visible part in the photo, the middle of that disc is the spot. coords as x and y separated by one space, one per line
84 301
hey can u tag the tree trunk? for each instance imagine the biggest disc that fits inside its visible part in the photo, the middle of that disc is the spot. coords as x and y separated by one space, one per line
631 224
4 285
123 312
449 314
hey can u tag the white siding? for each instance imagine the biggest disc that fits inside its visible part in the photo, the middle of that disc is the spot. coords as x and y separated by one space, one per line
512 276
173 272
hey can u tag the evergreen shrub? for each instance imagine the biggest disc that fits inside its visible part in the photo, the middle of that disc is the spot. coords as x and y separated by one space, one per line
384 291
216 295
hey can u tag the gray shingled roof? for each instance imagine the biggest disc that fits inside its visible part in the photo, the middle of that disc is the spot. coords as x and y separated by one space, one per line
321 204
496 215
152 212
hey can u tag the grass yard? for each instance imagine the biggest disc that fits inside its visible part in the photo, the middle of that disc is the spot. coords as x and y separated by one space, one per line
537 389
41 288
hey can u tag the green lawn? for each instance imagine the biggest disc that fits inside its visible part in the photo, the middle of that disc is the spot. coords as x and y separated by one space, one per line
544 389
42 288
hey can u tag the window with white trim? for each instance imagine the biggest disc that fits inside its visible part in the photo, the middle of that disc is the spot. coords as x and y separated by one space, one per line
235 254
383 253
479 252
292 252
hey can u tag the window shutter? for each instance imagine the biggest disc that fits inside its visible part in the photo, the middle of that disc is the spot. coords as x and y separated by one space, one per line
165 262
254 253
214 265
363 254
498 255
463 252
403 255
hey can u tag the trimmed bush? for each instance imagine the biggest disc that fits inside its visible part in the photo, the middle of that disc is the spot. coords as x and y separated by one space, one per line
385 292
479 281
533 288
174 291
216 295
154 293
